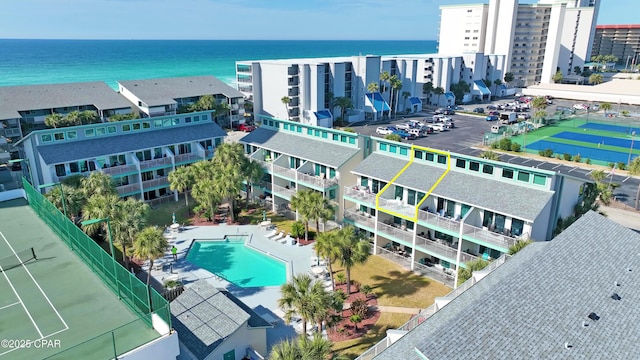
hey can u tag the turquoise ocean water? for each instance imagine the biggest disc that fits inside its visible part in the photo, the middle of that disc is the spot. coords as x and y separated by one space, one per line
26 62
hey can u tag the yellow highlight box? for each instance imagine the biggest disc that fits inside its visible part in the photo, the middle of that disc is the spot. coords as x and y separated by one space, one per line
415 217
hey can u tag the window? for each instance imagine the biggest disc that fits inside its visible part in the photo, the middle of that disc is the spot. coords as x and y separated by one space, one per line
196 118
285 126
146 125
507 173
393 148
335 137
417 154
72 134
299 129
325 134
487 169
383 147
352 140
442 159
136 126
309 131
58 136
404 151
343 138
176 121
539 179
157 123
316 133
126 128
60 170
111 129
474 166
88 133
429 157
523 176
411 197
364 181
461 163
101 131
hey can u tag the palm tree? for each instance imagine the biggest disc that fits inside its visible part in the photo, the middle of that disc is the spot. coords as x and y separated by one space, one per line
286 100
253 172
222 109
465 273
285 350
316 348
204 192
302 203
150 244
405 96
508 78
438 91
373 87
326 247
228 183
427 88
99 207
539 116
557 77
385 77
497 83
396 86
54 120
88 117
318 208
130 218
605 107
98 183
490 155
351 251
303 296
229 154
204 103
343 103
596 79
73 198
181 180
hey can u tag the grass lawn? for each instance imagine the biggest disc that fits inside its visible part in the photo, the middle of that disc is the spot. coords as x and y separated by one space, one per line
353 348
283 224
162 215
394 285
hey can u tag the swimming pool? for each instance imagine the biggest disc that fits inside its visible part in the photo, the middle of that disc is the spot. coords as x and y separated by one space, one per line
239 264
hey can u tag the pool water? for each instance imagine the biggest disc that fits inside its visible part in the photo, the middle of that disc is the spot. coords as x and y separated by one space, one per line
237 263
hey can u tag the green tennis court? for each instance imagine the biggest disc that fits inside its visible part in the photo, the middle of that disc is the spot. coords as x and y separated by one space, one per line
56 304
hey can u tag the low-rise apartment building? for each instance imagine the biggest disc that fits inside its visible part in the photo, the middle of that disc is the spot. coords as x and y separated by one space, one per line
138 154
169 96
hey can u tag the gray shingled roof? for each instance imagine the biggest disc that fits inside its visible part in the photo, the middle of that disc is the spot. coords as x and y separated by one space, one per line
327 153
540 299
101 146
49 96
522 202
205 316
154 92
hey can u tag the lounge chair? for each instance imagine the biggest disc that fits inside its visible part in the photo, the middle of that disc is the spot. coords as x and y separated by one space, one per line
279 236
285 239
271 234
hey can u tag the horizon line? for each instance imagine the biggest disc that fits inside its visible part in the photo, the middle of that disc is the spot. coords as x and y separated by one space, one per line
186 39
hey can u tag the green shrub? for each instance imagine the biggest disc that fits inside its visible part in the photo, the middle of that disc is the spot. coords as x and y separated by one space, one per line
622 166
588 161
577 158
393 137
366 290
541 152
567 157
515 147
505 144
297 229
611 165
495 145
559 157
546 153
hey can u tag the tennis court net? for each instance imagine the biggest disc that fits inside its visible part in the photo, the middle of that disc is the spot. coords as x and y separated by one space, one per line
17 259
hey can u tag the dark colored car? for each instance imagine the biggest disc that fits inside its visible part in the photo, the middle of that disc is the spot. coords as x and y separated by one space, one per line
439 111
478 110
404 135
448 112
491 118
246 127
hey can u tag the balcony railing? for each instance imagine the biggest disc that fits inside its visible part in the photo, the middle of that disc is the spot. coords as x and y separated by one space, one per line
121 169
188 157
161 162
283 171
127 189
156 182
283 191
442 249
397 206
316 180
360 194
490 237
360 219
439 221
398 233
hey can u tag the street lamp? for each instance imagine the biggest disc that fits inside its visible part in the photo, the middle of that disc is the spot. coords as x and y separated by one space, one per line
113 256
64 203
14 161
633 135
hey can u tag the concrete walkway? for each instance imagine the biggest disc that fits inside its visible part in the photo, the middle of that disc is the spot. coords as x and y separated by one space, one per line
630 219
396 309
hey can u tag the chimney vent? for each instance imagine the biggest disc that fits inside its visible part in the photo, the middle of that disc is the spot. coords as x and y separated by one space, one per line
593 316
615 296
567 346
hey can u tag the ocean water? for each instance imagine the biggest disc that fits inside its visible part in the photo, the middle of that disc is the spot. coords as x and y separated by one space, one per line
26 62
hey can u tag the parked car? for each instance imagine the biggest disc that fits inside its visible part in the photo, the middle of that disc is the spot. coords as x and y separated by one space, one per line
438 127
458 107
404 126
448 112
595 107
492 107
385 130
494 113
418 132
478 110
246 127
524 116
439 111
404 135
580 106
519 94
491 118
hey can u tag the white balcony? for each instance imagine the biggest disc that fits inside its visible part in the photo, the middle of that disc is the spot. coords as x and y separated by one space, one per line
188 157
283 191
361 195
118 170
397 206
360 219
317 181
161 181
442 250
438 221
397 233
156 163
128 189
490 237
284 172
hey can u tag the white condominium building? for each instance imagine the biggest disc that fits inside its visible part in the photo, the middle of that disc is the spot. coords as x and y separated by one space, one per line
538 38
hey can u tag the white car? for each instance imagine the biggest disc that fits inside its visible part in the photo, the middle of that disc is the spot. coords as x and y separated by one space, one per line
580 106
384 130
439 127
404 126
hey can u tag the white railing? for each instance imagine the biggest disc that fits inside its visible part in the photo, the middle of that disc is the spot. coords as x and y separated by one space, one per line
426 313
283 171
126 189
155 163
360 219
439 221
487 236
186 157
435 273
120 169
316 180
397 206
281 190
441 250
360 194
155 182
403 235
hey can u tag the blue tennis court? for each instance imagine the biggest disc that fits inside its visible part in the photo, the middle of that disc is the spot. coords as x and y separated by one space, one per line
608 127
585 152
597 139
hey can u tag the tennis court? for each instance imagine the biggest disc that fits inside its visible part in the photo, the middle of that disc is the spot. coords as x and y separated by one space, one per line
598 139
609 127
56 304
607 156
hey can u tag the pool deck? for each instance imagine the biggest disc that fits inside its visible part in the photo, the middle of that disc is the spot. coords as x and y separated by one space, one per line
263 300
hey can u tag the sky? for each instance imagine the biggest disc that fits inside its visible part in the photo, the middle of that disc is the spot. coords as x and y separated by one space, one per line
242 19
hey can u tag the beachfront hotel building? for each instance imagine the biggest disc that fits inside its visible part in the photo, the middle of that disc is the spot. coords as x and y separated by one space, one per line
138 154
311 84
622 41
548 301
24 108
536 38
323 164
167 96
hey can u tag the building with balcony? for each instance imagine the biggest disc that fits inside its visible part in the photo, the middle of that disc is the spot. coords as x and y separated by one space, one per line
622 41
549 301
434 211
298 157
536 38
167 96
138 154
24 108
